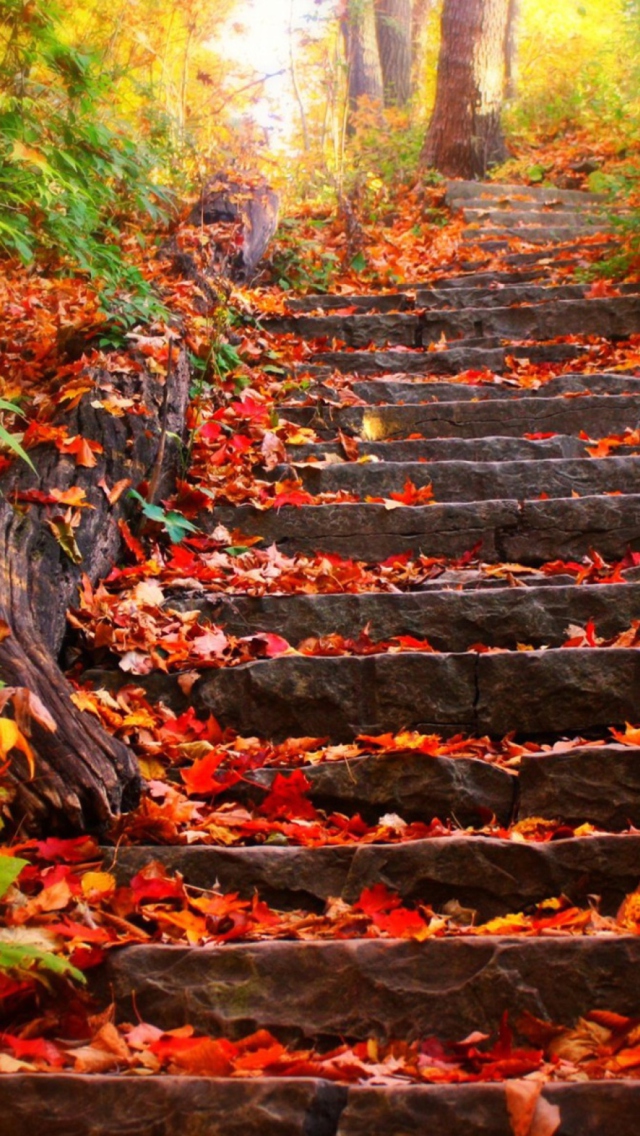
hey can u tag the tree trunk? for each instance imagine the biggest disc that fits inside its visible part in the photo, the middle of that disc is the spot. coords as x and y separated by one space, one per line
361 47
82 775
465 134
393 29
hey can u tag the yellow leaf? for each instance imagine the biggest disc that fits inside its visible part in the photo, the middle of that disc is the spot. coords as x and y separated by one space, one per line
98 884
11 738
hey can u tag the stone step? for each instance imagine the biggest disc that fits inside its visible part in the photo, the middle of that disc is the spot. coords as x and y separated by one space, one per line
555 217
528 533
530 693
404 391
475 481
487 191
451 449
112 1105
590 1109
610 318
437 297
457 356
500 237
493 877
450 620
108 1105
595 415
361 988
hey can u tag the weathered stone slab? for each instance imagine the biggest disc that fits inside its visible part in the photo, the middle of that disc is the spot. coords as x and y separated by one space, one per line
520 292
412 785
615 317
471 353
294 696
529 692
383 390
477 481
535 692
489 876
531 533
194 1106
452 449
566 529
73 1105
597 415
450 620
362 987
513 215
371 532
547 195
543 235
593 1109
599 784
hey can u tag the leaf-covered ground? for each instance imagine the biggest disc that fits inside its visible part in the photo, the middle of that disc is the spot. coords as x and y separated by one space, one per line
63 906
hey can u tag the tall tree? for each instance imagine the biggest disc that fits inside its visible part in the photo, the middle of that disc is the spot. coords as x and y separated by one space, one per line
465 134
394 34
361 46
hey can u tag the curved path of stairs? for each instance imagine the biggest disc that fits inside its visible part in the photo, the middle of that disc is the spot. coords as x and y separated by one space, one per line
527 499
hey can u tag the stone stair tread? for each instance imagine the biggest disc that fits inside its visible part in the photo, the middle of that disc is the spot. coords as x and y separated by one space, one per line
458 355
108 1105
475 481
112 1105
616 316
451 620
466 296
492 876
530 533
388 988
404 390
596 415
488 190
528 693
496 448
480 1110
557 217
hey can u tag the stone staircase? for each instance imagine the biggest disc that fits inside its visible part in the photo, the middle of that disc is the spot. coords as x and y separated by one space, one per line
529 500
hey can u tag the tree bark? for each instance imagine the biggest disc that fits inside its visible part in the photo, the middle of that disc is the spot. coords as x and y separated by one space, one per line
465 134
361 47
394 33
82 775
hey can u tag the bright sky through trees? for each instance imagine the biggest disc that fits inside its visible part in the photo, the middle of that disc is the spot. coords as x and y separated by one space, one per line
259 38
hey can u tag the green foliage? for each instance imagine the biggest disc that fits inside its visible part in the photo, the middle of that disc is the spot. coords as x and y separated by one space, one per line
12 443
70 176
174 524
303 264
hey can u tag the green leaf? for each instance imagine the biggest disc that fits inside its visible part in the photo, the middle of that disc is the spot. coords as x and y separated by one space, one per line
10 868
21 958
176 526
359 262
10 440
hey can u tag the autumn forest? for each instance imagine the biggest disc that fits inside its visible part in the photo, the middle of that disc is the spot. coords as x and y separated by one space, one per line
320 548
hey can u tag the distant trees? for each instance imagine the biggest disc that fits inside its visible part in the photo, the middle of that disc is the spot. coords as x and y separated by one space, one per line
361 49
378 49
394 35
465 132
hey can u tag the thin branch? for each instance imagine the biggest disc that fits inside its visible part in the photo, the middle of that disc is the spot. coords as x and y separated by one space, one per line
247 87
